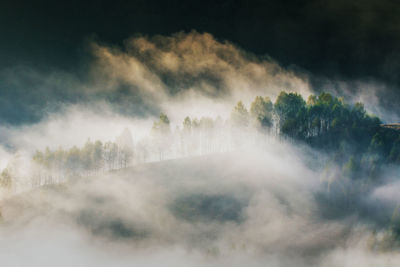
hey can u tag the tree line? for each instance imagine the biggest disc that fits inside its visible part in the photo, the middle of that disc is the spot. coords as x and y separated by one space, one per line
354 139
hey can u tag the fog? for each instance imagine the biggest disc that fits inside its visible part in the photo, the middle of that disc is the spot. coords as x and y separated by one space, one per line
255 206
256 199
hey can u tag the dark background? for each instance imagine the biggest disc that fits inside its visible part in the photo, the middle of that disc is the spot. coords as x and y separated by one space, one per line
333 39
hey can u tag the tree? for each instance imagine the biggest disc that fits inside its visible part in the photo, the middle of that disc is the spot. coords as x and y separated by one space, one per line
125 156
261 111
74 160
185 135
206 127
240 115
291 110
86 155
142 151
97 155
162 126
110 152
352 167
161 133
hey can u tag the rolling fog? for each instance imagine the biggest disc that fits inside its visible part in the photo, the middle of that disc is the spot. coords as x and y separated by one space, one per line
268 202
256 206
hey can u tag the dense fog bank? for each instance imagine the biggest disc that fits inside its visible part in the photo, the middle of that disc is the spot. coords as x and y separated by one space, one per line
254 206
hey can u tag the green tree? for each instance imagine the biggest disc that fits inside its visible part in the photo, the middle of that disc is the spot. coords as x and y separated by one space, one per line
261 111
162 126
291 111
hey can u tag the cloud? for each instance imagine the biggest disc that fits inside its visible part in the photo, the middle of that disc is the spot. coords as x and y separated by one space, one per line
72 126
192 66
146 76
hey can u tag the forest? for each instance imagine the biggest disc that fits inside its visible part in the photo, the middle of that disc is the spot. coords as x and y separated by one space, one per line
353 139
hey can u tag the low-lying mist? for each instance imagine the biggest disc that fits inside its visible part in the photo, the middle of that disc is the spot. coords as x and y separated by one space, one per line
284 182
259 206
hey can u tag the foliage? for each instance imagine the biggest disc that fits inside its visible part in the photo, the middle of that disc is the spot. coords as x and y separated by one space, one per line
291 111
161 126
261 111
91 158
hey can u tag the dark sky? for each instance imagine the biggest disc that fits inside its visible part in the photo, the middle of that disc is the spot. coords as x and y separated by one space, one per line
329 38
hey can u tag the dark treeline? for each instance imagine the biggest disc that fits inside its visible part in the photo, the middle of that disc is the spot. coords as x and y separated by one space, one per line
354 138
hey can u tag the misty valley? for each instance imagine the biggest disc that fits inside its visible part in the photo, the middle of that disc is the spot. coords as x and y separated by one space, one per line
200 133
289 182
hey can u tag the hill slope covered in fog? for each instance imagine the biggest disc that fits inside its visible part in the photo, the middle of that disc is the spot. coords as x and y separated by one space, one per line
256 205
